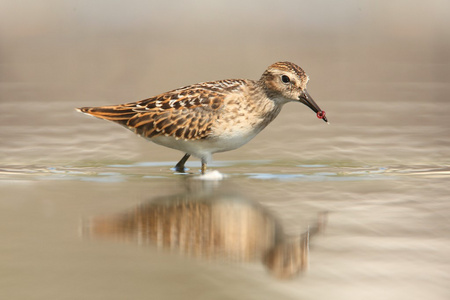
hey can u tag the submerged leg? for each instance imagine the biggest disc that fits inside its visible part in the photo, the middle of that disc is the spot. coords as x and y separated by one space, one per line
179 167
205 159
203 168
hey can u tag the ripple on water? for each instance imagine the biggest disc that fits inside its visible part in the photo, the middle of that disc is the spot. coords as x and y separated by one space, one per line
264 171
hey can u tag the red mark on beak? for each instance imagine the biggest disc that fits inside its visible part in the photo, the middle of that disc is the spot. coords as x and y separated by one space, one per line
321 114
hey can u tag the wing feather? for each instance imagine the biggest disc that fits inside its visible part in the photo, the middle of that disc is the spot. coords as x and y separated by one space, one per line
185 113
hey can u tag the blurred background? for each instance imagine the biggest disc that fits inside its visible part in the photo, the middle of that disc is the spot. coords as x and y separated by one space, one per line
380 69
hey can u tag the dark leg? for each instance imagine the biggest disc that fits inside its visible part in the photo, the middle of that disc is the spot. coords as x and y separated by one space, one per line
179 167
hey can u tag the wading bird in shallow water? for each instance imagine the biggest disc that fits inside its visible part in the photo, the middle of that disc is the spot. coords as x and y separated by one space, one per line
210 117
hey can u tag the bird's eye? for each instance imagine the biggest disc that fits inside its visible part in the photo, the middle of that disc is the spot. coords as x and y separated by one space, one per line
285 79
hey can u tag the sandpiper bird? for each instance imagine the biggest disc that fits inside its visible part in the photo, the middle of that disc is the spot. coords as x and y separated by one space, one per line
210 117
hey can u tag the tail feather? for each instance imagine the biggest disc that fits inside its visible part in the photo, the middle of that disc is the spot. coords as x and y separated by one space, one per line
119 114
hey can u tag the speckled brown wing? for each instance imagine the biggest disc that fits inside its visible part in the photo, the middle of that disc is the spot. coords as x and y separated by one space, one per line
185 113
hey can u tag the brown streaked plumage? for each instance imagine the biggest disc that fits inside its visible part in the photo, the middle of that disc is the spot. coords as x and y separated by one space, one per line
210 117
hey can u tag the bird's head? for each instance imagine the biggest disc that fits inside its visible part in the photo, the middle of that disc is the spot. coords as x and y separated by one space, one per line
286 82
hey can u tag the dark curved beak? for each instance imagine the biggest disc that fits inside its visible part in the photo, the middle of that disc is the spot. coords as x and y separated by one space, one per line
306 99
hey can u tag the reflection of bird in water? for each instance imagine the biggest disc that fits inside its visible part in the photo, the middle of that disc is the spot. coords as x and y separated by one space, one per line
210 226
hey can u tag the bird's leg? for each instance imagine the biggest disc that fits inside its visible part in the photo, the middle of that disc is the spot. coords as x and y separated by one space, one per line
205 160
179 167
203 168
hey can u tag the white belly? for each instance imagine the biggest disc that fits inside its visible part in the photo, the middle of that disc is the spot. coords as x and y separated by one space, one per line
204 148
